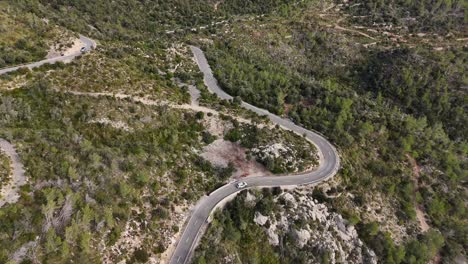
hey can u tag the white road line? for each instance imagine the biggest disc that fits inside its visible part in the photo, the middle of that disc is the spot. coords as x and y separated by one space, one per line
178 259
187 240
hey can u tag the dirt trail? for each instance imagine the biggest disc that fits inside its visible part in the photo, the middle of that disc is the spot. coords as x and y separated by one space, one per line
419 210
354 31
193 106
9 193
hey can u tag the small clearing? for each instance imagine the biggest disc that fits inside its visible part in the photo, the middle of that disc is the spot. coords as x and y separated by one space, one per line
57 51
221 153
115 124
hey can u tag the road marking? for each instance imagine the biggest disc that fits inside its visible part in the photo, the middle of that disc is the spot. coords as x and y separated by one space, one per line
196 221
187 240
178 259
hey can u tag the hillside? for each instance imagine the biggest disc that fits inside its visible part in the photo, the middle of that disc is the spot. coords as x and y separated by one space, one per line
120 144
391 99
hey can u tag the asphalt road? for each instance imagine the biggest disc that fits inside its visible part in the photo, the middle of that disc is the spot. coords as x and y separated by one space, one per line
329 159
329 165
89 44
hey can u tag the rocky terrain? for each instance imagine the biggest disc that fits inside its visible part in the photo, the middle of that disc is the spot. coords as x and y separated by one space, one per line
111 174
302 224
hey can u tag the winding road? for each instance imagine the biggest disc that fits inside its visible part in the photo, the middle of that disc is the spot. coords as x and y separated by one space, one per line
89 44
329 165
9 193
329 159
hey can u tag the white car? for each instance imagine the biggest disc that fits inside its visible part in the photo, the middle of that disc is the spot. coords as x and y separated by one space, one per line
241 185
83 49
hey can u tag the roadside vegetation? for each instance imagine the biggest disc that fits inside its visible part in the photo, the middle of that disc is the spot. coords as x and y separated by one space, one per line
89 178
380 104
26 37
239 239
5 169
414 16
112 178
234 237
278 150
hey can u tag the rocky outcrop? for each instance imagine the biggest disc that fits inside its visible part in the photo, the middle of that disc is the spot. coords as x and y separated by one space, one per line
304 225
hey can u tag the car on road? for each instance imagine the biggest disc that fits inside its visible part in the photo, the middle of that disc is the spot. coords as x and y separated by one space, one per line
241 185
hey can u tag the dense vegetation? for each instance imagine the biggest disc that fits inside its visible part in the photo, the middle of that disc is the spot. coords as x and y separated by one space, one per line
86 176
21 37
238 236
5 169
22 52
132 19
424 15
278 150
380 106
128 19
240 240
424 84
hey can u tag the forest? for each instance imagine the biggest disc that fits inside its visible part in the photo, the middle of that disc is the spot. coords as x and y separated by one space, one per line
384 105
239 236
133 20
417 16
369 120
87 176
380 106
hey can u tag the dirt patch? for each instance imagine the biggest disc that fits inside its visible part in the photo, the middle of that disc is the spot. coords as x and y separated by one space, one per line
221 153
57 51
216 126
419 212
421 219
194 94
115 124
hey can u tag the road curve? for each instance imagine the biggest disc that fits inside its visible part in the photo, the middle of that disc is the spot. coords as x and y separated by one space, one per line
89 44
329 165
329 159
